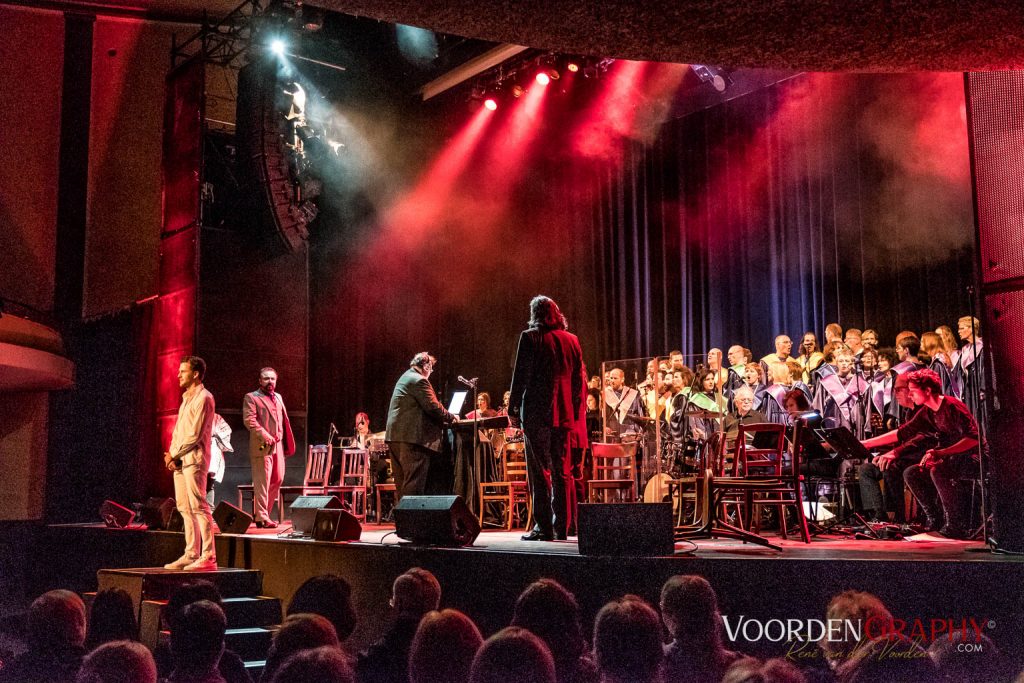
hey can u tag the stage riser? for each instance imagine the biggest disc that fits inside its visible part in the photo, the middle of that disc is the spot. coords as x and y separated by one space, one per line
485 584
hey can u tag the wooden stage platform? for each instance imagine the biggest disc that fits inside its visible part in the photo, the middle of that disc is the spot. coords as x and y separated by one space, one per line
917 580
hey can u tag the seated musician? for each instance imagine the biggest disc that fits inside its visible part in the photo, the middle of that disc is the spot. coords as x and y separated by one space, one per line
743 413
936 481
889 466
485 437
378 462
483 407
620 401
593 416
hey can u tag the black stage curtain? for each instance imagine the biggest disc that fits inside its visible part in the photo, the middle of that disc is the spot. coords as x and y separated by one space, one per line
822 198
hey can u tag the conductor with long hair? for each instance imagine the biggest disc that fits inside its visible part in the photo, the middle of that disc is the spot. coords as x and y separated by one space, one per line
546 397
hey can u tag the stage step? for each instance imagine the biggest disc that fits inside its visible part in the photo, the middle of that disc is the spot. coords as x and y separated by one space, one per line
251 644
158 583
245 612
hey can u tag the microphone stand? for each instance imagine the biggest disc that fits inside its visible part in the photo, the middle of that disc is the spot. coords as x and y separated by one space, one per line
982 402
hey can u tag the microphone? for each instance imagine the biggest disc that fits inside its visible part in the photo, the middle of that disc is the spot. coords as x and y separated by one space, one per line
471 383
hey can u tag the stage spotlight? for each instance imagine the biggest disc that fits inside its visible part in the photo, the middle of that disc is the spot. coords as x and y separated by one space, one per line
491 103
543 78
517 91
573 67
277 47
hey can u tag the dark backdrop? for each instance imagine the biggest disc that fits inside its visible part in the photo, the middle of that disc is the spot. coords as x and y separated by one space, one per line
822 198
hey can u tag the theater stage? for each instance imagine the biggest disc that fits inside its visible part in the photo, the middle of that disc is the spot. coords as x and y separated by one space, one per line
917 580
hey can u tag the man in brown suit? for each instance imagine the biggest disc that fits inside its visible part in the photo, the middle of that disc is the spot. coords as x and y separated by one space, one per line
270 440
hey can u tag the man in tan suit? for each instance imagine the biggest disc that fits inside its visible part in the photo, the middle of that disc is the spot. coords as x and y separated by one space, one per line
189 458
270 440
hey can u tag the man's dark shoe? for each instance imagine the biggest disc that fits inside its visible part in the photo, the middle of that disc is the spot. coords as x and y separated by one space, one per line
954 532
560 536
538 535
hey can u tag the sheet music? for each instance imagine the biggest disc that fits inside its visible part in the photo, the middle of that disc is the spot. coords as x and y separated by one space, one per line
457 402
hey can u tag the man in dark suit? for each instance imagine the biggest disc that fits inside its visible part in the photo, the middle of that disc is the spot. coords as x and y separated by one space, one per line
547 393
415 419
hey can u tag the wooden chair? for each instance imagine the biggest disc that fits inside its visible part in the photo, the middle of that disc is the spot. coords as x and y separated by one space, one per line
613 470
318 465
353 480
768 464
513 490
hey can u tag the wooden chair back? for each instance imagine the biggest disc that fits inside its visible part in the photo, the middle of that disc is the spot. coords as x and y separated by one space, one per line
751 461
318 467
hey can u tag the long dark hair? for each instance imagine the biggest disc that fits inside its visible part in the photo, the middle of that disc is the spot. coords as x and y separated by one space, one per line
545 314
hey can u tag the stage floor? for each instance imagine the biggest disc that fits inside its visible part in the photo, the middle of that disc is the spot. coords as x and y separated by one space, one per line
917 580
823 547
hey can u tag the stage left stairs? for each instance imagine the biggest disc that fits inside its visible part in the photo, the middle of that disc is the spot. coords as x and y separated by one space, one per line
252 618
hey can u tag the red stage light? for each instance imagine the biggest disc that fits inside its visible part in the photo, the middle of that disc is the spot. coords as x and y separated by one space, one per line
490 103
573 67
543 78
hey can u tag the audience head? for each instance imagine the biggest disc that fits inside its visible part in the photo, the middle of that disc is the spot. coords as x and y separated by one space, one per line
888 659
197 636
329 596
443 648
751 670
513 654
299 632
118 661
112 618
689 608
965 656
415 593
188 593
627 641
56 622
550 611
315 665
856 607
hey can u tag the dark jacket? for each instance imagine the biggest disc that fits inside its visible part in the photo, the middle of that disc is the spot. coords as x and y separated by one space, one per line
547 385
415 415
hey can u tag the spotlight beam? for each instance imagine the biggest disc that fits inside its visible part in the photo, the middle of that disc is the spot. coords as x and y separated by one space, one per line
337 67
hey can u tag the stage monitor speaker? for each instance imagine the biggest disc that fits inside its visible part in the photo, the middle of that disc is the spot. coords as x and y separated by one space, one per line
156 513
303 511
626 529
114 515
231 520
336 525
177 522
436 520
